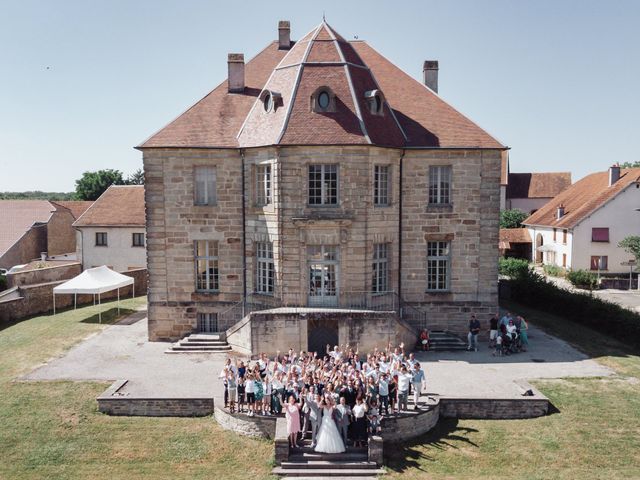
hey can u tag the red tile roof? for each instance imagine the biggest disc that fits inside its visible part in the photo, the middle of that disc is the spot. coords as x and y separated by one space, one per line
118 206
77 207
414 116
17 217
515 235
583 198
537 185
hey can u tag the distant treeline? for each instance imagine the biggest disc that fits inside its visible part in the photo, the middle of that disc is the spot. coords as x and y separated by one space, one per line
37 195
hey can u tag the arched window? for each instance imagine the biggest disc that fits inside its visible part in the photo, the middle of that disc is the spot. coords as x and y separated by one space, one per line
323 100
270 100
375 99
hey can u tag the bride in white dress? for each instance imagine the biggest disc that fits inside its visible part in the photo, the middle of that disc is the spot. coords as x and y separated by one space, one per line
329 439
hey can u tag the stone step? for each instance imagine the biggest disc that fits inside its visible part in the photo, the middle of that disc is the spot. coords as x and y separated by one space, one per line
207 336
202 342
327 472
211 348
317 456
329 464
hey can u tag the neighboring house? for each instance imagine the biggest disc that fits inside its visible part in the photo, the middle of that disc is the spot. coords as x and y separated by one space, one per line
30 228
581 227
515 243
531 191
320 175
112 231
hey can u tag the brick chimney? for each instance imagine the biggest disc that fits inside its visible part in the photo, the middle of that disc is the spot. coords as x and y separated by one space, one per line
430 73
284 35
614 174
235 61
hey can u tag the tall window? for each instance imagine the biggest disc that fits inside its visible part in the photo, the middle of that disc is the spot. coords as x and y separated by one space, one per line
265 274
138 239
380 281
208 322
101 239
440 184
381 181
206 264
600 263
205 186
323 184
263 185
438 265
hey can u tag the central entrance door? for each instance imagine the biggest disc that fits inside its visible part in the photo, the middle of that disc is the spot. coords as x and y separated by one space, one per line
322 332
324 269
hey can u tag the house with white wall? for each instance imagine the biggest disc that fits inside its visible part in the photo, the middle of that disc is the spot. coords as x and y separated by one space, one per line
580 228
112 231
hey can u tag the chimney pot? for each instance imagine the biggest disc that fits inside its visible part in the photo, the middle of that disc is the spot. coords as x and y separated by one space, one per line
235 62
430 73
614 174
284 35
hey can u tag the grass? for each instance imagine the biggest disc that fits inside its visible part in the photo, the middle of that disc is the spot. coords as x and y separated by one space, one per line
595 435
52 430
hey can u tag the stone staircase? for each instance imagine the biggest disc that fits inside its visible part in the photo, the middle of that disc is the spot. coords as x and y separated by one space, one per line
306 464
442 340
201 343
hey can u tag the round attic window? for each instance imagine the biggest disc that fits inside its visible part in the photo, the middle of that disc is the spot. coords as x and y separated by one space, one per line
324 100
268 102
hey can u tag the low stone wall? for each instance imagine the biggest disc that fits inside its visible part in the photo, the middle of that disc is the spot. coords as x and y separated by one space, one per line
494 408
403 427
113 404
38 298
281 441
259 426
49 273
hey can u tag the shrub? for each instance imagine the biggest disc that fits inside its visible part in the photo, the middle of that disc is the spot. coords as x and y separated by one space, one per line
513 267
582 308
554 270
583 279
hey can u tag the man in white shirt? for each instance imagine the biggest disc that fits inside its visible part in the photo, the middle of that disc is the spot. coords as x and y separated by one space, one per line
383 392
417 380
404 379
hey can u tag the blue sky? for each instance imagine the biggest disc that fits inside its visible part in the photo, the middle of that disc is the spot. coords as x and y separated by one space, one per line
82 82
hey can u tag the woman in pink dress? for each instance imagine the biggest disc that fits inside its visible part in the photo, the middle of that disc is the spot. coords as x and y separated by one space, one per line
292 413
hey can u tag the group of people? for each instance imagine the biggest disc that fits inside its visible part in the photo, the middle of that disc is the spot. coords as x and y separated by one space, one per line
506 335
336 398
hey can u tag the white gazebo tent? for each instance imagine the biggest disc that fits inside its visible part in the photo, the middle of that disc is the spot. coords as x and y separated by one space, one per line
94 281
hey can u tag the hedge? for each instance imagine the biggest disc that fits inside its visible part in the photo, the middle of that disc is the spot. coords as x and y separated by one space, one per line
582 308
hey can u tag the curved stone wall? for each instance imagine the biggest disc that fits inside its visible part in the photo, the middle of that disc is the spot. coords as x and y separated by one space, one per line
410 425
259 426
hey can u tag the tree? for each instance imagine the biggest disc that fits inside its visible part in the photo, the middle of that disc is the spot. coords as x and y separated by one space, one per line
93 184
630 164
631 244
512 218
136 178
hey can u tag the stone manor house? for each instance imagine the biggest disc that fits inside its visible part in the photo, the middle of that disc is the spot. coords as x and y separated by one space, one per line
319 195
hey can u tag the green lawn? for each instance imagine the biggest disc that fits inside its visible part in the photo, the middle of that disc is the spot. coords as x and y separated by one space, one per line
595 435
52 430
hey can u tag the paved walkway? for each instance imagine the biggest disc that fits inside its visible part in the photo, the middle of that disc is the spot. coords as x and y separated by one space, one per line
123 352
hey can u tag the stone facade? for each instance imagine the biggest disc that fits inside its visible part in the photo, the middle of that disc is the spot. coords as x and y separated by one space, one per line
354 225
27 248
61 237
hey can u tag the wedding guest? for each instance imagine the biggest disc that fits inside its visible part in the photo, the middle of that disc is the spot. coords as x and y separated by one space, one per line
360 422
292 413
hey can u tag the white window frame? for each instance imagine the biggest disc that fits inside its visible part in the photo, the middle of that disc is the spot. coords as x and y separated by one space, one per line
265 268
204 185
325 198
438 266
382 185
209 255
440 184
264 184
380 277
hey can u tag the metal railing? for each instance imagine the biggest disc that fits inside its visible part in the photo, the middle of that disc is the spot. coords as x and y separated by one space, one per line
301 302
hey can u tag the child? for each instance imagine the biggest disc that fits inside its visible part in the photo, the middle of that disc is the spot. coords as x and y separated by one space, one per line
374 419
266 399
250 389
498 350
232 391
259 394
240 394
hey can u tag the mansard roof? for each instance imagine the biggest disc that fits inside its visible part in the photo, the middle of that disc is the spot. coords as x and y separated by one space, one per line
412 115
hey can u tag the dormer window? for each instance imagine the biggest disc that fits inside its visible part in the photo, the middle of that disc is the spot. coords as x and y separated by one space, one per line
375 98
270 100
323 100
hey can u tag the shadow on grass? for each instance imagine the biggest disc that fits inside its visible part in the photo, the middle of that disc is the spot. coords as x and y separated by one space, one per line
109 317
552 409
410 455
